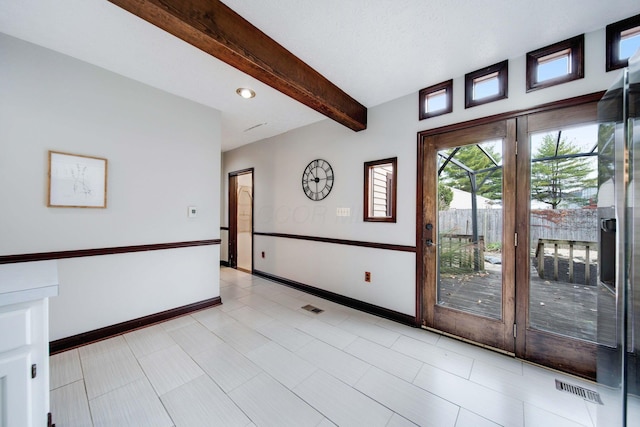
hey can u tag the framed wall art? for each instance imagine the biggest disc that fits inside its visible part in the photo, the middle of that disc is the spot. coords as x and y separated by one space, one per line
77 181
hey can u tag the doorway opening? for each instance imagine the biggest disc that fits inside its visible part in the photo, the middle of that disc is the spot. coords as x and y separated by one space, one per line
241 220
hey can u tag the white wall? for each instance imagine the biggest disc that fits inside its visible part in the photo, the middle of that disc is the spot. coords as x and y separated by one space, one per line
281 206
164 155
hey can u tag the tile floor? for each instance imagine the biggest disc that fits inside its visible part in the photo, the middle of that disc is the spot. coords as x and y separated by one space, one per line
261 360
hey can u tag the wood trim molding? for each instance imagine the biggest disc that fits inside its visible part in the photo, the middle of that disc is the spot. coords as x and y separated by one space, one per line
341 299
368 192
575 47
386 246
613 33
423 97
42 256
569 102
74 341
214 28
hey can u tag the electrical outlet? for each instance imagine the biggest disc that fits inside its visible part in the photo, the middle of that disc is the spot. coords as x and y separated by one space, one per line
367 276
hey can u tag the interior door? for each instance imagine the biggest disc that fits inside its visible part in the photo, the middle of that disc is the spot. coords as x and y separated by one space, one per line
241 220
558 253
233 220
469 233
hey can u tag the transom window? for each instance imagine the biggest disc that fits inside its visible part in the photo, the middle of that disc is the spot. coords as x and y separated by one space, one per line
629 42
623 41
486 85
555 64
436 100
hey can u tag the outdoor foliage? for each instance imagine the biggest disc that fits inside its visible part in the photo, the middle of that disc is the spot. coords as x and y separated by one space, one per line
445 196
489 183
561 180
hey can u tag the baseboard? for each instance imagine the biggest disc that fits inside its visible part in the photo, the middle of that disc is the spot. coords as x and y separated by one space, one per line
224 263
341 299
68 343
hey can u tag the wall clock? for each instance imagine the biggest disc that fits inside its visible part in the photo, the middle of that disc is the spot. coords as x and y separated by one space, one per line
317 179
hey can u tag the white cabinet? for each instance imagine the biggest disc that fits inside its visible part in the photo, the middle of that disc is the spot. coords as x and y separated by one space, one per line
25 289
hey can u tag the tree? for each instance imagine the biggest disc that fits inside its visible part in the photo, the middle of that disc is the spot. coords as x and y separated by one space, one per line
445 196
562 177
489 183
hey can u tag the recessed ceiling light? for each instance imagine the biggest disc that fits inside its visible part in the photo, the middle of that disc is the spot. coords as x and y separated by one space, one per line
246 93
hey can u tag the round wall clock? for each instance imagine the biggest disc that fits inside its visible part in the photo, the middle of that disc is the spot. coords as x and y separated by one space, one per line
317 179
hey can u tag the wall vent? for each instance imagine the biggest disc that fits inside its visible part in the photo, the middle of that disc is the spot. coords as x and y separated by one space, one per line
312 309
582 392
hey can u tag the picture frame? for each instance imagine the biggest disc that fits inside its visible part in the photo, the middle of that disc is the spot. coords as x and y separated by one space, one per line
76 181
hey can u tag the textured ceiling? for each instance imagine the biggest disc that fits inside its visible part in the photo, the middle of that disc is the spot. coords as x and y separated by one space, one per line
375 50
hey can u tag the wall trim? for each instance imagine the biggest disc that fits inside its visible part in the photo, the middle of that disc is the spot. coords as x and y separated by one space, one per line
341 299
74 341
387 246
42 256
569 102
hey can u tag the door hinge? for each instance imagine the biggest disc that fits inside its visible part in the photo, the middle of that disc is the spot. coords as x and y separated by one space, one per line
34 370
515 240
516 148
514 330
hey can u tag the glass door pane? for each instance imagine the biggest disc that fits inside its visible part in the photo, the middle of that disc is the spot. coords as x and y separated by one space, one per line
563 239
469 240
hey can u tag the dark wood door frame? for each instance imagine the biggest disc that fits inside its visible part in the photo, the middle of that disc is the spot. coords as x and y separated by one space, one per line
494 332
547 341
233 215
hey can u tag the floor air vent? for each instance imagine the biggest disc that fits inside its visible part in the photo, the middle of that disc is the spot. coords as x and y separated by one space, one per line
312 309
582 392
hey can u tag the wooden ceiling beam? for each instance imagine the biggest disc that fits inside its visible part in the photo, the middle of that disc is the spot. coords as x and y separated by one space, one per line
216 29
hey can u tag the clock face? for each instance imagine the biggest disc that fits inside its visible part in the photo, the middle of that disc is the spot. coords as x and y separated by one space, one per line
317 179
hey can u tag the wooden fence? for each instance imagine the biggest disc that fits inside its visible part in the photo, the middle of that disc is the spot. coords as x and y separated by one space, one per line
563 224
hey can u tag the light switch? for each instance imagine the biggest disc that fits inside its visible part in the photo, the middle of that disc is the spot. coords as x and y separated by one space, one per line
193 211
343 211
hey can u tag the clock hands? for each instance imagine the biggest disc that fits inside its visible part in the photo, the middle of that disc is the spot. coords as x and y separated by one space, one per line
320 172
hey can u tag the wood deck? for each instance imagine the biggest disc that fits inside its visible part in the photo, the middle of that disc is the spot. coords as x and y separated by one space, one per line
557 306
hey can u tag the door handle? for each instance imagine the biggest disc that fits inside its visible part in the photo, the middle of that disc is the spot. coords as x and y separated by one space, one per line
429 242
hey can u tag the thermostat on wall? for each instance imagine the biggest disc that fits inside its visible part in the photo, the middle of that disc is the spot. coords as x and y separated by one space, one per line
193 211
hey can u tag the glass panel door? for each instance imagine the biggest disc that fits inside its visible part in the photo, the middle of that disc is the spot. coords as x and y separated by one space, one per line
469 247
563 236
558 251
470 228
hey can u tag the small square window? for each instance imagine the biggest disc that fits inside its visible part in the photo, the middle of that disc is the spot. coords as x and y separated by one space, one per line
380 189
555 64
436 100
552 66
623 41
486 85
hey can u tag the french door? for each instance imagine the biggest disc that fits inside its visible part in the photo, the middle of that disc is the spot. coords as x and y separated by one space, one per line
559 263
469 217
508 235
